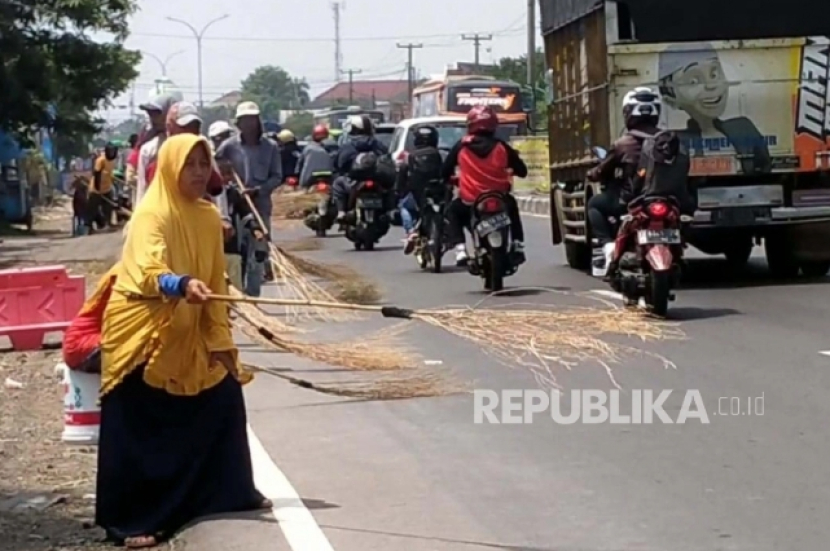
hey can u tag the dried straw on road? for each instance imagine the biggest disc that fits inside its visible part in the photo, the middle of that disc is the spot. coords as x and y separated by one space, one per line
294 205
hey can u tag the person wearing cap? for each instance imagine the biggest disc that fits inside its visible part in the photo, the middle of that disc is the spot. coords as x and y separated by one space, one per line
156 110
218 132
290 153
256 160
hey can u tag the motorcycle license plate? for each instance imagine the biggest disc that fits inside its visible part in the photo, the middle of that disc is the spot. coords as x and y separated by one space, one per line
370 203
493 223
436 208
658 237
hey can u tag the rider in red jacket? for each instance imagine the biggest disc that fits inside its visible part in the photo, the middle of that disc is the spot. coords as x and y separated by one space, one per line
485 164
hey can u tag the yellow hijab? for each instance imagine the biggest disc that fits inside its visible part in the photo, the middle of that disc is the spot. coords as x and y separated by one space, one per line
168 234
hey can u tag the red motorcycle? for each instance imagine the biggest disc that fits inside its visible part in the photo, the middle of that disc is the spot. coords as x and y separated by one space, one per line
648 253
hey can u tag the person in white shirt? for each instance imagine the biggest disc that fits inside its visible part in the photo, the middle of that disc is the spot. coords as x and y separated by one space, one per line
156 110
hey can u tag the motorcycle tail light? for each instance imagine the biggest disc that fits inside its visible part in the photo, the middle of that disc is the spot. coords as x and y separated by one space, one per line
292 182
368 184
322 188
490 206
658 210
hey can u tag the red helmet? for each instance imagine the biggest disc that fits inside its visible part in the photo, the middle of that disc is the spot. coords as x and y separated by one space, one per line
320 133
482 119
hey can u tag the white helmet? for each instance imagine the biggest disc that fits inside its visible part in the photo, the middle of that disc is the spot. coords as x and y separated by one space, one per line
641 102
358 124
218 128
285 136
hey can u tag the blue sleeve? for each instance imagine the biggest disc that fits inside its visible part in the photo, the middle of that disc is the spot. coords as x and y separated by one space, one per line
173 285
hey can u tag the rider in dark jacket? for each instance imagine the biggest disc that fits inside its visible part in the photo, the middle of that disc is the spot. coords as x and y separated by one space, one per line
361 139
420 170
290 153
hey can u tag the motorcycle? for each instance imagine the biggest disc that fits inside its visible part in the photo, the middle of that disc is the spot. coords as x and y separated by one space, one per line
368 220
321 218
292 182
648 251
492 257
431 244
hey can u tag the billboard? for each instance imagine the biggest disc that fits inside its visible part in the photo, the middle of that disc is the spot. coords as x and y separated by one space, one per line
504 99
750 107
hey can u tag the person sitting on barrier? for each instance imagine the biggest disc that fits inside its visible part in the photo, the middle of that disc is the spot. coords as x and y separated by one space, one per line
173 438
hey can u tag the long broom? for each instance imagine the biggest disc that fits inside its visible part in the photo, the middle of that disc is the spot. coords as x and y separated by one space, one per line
535 339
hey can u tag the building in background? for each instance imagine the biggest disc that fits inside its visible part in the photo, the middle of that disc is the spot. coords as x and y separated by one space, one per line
391 95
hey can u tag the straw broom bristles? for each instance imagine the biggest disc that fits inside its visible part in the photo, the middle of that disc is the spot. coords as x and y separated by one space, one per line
378 352
537 339
294 205
418 384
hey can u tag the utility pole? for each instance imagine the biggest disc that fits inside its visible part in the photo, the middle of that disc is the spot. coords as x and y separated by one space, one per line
338 53
531 55
352 73
477 39
410 69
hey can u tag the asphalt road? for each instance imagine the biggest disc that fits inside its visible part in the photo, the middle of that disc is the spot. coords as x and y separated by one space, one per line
420 475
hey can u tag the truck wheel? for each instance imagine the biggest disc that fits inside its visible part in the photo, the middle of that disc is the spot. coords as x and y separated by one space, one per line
815 269
782 264
737 255
578 255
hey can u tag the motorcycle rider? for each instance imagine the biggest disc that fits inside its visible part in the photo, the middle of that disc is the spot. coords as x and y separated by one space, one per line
315 160
420 170
361 139
290 153
483 162
641 114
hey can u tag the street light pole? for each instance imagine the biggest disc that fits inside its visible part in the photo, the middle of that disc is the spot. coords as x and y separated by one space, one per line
198 35
163 63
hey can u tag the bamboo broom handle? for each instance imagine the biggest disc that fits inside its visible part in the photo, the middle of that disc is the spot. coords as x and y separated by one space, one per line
386 311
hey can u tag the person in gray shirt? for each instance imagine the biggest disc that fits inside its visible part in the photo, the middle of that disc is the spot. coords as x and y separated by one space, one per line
256 160
315 160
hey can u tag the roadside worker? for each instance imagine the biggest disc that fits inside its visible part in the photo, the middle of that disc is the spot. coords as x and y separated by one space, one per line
156 110
256 160
173 442
99 205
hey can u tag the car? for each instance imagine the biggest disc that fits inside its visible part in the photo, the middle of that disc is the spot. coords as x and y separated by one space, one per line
450 130
384 132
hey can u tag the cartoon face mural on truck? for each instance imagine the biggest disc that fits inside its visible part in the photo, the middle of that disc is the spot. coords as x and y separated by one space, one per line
749 107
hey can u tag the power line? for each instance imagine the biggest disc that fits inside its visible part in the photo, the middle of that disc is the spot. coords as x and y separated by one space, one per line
512 32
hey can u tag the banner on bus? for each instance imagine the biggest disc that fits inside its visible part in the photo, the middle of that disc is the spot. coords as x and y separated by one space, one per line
504 99
534 152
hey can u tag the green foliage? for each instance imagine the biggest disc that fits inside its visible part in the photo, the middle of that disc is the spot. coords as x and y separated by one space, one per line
515 69
274 89
300 124
49 59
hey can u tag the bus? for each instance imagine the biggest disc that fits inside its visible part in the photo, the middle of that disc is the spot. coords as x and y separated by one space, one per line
334 118
456 95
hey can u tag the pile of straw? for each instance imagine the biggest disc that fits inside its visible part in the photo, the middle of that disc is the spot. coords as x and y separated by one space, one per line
294 205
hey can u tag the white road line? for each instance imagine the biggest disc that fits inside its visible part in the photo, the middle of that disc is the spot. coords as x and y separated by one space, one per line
297 523
824 352
607 293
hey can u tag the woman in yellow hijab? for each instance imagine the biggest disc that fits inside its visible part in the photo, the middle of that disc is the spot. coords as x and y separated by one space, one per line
173 444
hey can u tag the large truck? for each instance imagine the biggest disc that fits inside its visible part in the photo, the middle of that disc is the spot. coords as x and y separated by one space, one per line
744 83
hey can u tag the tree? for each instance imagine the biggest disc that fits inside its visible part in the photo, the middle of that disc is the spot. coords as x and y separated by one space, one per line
274 90
515 69
300 124
53 73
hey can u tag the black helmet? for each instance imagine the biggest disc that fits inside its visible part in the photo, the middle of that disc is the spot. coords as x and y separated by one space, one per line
426 136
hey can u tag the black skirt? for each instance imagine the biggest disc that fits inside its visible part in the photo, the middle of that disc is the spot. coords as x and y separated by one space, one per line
165 460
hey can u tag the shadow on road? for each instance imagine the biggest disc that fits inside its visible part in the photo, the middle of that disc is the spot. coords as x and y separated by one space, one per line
690 313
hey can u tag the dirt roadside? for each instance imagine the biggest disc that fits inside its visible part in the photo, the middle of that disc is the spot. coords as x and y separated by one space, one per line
46 486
